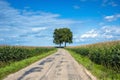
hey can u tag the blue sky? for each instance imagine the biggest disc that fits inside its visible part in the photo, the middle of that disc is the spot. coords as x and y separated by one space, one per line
32 22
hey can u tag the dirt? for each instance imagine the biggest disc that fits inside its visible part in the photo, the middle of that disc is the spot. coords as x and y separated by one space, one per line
59 66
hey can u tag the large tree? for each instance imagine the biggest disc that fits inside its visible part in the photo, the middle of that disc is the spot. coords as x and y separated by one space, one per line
62 35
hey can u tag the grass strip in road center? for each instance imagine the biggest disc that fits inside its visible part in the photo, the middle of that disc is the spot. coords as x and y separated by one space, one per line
14 67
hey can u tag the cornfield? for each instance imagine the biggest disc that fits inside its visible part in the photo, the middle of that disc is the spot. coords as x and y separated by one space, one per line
106 54
10 54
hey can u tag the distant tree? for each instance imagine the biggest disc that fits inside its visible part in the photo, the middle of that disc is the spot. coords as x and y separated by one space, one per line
57 37
62 35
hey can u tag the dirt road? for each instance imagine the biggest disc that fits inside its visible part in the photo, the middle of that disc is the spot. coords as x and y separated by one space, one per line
59 66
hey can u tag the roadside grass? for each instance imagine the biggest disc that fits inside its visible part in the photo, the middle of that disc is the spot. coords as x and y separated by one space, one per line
101 72
15 66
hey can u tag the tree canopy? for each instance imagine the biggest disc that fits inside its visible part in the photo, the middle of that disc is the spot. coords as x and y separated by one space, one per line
62 35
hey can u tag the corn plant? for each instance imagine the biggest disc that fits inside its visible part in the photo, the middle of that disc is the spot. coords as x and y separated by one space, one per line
106 54
10 54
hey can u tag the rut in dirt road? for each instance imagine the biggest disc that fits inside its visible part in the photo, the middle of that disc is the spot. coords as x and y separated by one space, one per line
59 66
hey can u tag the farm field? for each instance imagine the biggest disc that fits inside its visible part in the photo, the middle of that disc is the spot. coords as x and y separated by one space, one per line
13 58
60 40
58 66
102 59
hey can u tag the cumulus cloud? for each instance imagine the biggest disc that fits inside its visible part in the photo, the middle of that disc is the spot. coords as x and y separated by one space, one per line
103 34
112 17
113 30
21 26
90 34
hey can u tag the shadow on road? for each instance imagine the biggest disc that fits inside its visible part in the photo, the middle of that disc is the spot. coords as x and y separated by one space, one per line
35 69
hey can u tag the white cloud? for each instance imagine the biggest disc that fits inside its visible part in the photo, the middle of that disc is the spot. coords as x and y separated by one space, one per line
25 25
77 38
112 17
38 29
111 29
102 34
90 34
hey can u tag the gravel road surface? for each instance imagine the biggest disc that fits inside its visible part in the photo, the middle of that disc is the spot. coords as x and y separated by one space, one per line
58 66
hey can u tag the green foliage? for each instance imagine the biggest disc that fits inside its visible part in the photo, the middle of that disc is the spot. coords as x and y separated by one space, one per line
15 66
62 35
10 54
106 54
101 72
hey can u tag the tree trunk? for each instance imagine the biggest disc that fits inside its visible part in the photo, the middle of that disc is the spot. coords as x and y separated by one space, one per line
65 44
